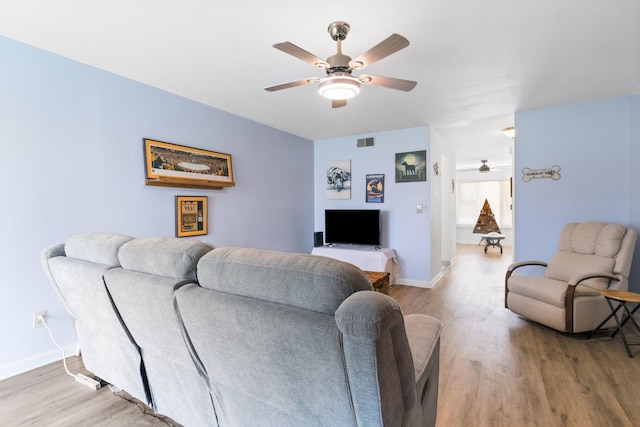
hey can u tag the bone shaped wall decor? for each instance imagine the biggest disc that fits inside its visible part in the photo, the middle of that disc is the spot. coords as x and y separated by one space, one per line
553 172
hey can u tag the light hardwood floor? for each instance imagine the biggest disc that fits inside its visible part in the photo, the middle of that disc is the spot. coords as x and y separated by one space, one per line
496 369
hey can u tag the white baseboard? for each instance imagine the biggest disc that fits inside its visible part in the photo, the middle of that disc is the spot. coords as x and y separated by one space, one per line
436 279
36 361
421 283
417 283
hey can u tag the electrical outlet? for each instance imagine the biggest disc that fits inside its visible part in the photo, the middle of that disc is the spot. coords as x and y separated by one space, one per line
37 321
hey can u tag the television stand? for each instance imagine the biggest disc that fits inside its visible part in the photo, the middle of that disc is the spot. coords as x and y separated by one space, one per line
356 247
374 259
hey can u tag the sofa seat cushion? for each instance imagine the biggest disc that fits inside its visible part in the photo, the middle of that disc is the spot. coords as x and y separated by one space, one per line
548 291
423 334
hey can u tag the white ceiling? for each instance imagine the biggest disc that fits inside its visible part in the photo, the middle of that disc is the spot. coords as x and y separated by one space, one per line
476 62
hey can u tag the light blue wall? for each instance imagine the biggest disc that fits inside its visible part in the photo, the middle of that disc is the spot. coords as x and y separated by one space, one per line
402 228
72 161
591 142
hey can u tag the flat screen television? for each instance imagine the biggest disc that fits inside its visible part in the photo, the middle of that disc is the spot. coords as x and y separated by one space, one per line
352 226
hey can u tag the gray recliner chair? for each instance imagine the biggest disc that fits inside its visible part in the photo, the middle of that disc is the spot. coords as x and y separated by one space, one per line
75 269
591 256
302 340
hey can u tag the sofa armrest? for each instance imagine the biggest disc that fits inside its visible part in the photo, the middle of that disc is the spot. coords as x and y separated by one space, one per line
406 352
377 358
46 254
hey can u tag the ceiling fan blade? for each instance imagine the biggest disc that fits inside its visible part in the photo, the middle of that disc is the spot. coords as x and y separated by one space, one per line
300 53
388 82
390 45
292 84
337 103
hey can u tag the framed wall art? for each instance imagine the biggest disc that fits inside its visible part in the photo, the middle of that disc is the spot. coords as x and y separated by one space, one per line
174 165
191 216
411 166
375 188
339 179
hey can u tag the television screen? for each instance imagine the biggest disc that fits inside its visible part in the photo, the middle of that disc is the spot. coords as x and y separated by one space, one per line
353 227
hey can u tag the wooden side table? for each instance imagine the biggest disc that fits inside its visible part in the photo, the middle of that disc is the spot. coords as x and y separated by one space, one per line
622 297
379 280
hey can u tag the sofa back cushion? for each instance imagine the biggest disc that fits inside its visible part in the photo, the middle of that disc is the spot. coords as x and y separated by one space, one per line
261 327
164 256
306 281
99 248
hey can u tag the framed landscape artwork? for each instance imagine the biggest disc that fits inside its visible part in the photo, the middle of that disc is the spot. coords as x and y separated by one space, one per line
180 166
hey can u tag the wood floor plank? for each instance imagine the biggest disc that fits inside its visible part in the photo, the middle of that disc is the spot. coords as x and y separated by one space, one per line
496 369
49 397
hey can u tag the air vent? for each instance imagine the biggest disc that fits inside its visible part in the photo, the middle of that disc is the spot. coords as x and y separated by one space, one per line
365 142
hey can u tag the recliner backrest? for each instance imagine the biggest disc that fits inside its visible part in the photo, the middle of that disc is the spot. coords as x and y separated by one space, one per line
75 269
142 293
262 328
592 247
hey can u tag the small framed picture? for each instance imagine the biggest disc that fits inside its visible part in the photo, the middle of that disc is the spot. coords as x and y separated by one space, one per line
191 215
375 188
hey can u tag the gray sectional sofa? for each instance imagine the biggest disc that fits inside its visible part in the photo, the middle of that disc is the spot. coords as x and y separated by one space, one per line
245 337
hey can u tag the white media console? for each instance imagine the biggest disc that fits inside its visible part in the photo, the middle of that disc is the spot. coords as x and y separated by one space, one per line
383 259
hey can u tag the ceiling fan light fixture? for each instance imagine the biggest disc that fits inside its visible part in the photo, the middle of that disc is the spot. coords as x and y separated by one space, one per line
484 168
339 87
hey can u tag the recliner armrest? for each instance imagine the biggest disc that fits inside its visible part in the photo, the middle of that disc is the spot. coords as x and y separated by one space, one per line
515 266
519 264
575 280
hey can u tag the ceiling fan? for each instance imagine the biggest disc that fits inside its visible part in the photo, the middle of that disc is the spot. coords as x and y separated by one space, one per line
484 168
339 85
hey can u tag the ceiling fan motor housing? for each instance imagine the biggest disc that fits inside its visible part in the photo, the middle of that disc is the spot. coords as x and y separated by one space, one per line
484 168
338 62
339 30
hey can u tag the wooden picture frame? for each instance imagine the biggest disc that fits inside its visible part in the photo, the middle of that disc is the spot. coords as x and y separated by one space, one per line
174 165
191 216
